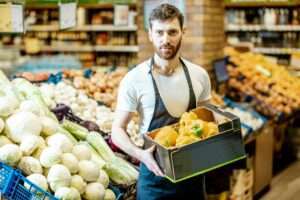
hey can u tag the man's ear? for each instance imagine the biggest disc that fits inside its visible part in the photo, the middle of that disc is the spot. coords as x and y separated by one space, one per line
149 34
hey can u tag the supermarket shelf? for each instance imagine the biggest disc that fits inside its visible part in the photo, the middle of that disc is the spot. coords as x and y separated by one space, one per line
86 5
70 48
232 28
276 51
112 48
82 28
260 4
87 48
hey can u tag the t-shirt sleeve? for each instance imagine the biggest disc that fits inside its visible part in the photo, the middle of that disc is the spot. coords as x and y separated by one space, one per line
206 93
127 97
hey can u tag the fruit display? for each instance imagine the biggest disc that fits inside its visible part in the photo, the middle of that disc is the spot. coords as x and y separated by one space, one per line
101 86
63 158
216 99
246 118
191 129
270 85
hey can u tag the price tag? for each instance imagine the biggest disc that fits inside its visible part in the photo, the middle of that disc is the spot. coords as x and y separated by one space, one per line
67 15
11 20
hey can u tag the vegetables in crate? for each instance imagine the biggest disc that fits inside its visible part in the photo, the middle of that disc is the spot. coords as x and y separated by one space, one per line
47 149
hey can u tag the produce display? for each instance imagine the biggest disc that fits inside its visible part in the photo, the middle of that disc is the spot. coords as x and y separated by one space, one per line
101 86
269 84
85 107
191 129
65 159
246 118
216 99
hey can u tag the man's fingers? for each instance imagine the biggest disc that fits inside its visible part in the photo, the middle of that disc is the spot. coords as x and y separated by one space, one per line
157 170
151 149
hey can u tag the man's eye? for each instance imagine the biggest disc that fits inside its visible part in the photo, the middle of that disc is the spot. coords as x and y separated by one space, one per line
159 32
173 32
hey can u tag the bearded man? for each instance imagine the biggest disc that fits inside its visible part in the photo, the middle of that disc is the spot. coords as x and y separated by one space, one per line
160 89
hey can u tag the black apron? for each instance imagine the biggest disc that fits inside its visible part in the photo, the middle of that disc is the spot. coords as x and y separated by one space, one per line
152 187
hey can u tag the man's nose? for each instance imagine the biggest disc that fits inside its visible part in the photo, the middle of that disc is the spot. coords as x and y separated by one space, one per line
166 38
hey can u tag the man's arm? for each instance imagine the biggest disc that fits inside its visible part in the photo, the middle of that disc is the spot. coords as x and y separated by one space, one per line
122 140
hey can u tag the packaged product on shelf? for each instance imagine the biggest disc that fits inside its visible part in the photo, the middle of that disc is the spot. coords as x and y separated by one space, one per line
121 13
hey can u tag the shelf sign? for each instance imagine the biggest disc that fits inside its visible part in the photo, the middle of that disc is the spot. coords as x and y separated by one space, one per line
67 15
11 20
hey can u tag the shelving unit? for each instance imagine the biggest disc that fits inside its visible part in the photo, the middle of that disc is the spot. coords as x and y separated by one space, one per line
237 28
86 48
259 4
89 27
254 21
96 42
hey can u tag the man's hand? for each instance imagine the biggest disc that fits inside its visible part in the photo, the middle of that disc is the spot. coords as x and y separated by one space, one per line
148 159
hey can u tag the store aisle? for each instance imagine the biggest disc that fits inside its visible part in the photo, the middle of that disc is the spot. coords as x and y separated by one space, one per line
285 186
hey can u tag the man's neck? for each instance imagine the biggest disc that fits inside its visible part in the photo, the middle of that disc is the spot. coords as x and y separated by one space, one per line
166 67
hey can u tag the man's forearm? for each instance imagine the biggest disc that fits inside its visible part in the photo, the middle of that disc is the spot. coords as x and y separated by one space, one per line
122 140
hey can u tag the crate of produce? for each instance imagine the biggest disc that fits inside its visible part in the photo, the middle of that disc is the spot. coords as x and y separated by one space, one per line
199 156
14 186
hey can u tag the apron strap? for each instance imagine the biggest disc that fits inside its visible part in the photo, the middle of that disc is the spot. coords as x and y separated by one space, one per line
192 102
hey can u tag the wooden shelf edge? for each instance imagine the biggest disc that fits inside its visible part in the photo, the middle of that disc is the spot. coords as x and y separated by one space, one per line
88 6
43 28
260 4
96 48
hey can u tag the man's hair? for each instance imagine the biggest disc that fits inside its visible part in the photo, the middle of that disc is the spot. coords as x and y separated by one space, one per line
165 12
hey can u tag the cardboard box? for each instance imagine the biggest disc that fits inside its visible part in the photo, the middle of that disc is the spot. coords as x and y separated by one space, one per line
200 157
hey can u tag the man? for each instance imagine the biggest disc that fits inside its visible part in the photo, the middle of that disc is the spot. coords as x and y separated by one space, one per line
160 89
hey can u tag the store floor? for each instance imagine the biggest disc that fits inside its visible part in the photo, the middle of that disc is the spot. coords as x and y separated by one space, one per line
286 185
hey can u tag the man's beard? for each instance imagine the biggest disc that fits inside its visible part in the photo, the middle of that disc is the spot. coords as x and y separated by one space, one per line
170 53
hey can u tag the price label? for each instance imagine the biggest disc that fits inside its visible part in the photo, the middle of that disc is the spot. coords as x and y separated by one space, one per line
11 20
67 15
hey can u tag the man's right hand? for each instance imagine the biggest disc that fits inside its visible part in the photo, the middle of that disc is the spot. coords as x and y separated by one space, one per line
148 159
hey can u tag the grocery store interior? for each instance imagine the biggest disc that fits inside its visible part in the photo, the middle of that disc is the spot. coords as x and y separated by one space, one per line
61 64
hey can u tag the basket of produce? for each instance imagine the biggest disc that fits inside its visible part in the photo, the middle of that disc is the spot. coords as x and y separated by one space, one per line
14 186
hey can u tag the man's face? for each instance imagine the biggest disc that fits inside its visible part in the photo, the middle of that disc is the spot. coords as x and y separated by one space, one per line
166 37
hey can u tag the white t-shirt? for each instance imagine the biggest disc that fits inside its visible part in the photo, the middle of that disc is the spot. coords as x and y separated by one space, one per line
136 91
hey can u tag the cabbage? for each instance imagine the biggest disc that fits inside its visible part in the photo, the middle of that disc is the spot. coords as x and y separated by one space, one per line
10 154
109 195
29 144
65 193
38 180
103 178
8 104
22 123
4 140
70 161
50 156
78 183
82 152
88 170
60 141
31 92
59 176
94 191
30 165
41 146
30 106
49 126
